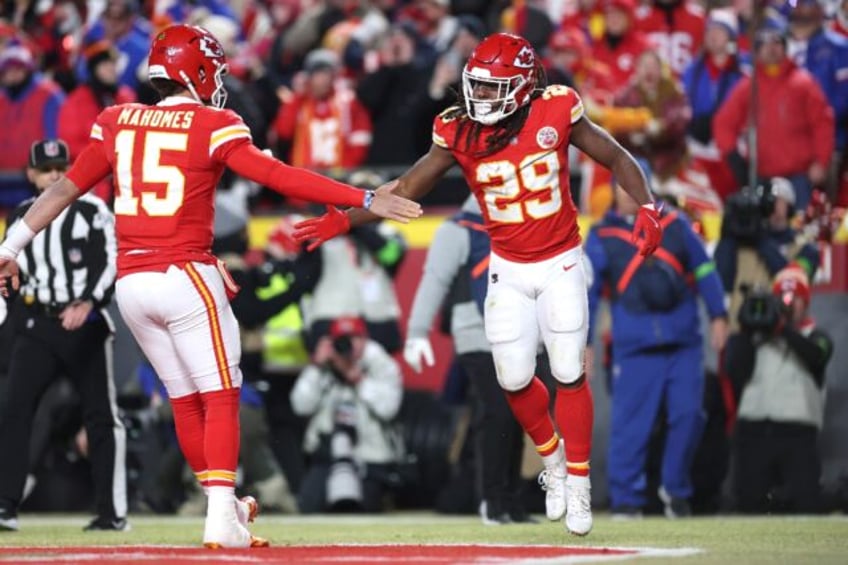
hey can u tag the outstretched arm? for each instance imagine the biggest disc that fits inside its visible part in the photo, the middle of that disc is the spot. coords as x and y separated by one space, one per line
415 183
88 169
600 146
249 162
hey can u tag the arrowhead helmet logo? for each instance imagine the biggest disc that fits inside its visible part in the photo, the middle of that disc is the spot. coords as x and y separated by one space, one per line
524 59
211 48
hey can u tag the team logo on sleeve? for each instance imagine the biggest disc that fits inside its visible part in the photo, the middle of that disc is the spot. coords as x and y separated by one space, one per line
547 137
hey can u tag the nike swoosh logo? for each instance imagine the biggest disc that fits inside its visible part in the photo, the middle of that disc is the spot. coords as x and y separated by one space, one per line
568 267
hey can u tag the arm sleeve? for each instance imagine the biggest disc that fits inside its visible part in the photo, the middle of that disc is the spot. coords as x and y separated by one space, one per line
725 261
598 261
386 244
248 161
103 248
448 252
730 118
809 257
382 388
814 351
769 251
309 390
286 119
91 166
704 271
358 141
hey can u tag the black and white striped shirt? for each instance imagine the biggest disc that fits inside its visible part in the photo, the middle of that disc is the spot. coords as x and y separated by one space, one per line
73 258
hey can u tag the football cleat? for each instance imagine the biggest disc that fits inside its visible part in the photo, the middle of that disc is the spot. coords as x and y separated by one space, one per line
246 509
578 517
552 481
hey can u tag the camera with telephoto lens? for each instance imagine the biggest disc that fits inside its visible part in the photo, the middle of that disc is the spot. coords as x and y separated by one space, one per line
343 345
760 312
746 213
344 485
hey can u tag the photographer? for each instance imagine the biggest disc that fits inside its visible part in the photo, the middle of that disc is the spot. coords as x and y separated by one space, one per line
351 393
757 240
777 362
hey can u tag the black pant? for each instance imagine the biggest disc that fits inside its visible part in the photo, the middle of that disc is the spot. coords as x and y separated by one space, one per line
498 437
42 352
777 467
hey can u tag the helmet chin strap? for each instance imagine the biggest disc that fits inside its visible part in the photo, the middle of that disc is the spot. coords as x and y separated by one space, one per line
187 83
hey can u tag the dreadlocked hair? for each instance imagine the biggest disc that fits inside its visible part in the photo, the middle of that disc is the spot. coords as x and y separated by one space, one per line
505 130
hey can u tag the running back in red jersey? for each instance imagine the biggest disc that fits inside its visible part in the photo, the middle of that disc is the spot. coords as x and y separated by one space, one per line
523 189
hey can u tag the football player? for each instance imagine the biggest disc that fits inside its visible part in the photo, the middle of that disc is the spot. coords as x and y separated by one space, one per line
510 133
172 292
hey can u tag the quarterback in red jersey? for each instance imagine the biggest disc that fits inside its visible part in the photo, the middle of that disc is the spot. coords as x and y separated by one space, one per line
171 291
510 135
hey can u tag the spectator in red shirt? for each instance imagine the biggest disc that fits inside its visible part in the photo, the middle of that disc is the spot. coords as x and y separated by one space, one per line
676 28
324 123
795 123
87 100
621 43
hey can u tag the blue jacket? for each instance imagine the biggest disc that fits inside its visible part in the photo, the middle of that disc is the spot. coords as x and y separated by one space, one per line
652 301
706 93
827 60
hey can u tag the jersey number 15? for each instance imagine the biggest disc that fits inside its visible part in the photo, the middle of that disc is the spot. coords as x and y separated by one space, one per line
129 194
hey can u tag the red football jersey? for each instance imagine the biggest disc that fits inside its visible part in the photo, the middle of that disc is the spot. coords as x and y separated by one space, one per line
677 38
523 189
167 160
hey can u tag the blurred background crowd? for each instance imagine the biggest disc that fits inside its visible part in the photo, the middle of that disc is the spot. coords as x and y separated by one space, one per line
735 108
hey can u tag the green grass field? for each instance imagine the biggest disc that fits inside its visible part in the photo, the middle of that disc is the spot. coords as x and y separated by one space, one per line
819 540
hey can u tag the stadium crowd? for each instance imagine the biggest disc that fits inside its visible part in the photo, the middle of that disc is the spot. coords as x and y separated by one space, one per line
350 88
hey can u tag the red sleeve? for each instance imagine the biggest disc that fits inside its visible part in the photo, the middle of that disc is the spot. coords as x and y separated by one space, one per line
91 166
286 120
248 161
730 118
359 139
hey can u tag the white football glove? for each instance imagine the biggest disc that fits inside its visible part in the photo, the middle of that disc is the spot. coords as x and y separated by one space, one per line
415 349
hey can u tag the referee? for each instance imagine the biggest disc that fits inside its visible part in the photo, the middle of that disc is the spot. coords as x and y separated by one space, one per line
62 329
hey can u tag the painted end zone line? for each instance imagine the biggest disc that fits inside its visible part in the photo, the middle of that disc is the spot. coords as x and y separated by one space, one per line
347 554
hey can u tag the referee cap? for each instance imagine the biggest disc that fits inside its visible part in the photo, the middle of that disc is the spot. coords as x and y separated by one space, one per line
48 152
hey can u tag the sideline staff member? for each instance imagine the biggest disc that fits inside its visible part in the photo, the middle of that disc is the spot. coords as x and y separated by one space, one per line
62 329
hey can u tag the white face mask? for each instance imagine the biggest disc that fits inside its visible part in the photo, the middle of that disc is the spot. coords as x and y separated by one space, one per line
501 102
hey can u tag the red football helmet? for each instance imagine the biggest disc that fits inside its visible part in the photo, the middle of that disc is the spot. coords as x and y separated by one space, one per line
499 77
191 56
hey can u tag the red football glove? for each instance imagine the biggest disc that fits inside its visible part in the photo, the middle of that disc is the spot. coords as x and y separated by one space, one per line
323 228
648 225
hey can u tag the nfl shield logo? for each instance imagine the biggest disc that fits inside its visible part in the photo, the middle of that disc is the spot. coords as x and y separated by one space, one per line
51 149
547 137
